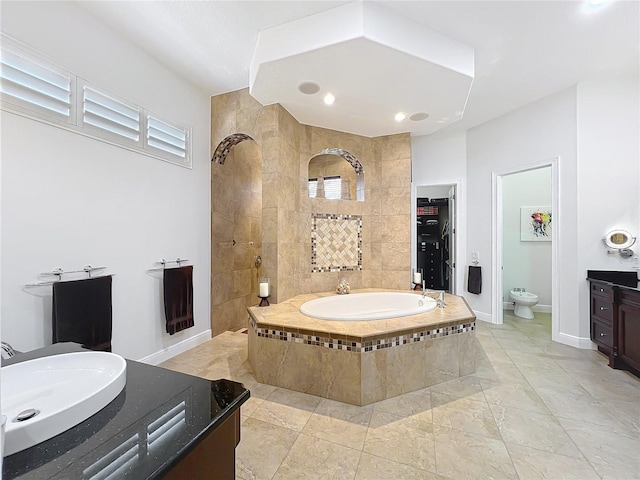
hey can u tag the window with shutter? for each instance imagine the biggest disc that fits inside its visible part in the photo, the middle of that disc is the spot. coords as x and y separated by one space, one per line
105 115
30 86
167 140
33 87
332 188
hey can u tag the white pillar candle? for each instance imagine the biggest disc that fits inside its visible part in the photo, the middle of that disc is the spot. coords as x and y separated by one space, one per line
264 289
417 277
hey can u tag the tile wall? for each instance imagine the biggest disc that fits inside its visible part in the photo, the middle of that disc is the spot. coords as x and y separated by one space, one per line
285 148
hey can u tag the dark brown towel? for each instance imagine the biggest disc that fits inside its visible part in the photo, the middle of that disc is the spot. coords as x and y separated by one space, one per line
474 280
178 298
81 312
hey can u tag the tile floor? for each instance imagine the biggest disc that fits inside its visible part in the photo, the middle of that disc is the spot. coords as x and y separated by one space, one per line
534 409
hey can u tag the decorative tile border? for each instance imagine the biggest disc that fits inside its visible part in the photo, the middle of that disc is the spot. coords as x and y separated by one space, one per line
361 346
225 146
336 242
349 157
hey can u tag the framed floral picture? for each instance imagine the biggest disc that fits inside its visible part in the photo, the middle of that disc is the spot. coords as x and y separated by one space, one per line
535 224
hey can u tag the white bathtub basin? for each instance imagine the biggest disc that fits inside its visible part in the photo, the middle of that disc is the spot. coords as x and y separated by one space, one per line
64 389
367 306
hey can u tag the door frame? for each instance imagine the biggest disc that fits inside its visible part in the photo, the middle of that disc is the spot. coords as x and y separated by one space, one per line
497 236
459 245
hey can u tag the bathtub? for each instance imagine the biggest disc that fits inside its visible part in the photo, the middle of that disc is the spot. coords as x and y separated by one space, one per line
367 306
358 361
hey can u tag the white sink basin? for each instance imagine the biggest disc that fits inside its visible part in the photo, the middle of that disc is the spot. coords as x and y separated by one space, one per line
64 389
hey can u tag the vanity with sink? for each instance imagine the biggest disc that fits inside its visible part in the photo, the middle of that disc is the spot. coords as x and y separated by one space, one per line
615 316
136 421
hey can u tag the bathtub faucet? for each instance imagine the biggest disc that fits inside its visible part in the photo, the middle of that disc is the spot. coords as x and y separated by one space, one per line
440 300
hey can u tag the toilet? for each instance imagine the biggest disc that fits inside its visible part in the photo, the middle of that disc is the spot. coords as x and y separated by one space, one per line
523 302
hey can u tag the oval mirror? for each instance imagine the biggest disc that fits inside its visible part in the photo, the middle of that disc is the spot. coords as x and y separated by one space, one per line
619 239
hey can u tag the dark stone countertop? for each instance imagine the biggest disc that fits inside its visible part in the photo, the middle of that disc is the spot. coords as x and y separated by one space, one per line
626 280
134 437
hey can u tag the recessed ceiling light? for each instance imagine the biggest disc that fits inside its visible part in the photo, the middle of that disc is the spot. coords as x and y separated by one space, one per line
416 117
400 116
329 99
309 88
591 6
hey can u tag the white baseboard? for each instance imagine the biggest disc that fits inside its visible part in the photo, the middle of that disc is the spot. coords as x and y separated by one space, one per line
573 341
176 349
535 308
485 317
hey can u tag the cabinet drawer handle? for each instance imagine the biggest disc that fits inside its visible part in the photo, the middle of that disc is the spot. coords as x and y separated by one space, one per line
602 289
603 309
603 334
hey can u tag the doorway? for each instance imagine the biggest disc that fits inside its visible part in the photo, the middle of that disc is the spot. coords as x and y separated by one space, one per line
498 240
434 236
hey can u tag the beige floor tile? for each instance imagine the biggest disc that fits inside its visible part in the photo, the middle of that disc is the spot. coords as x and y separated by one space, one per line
514 395
500 373
262 449
547 377
532 464
419 421
607 387
524 346
525 359
577 404
492 355
512 334
396 441
376 468
464 414
339 423
627 413
535 430
407 404
542 396
612 453
465 387
286 408
578 367
461 455
314 458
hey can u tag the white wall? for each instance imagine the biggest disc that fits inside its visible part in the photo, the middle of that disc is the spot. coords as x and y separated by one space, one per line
440 159
525 264
528 136
609 174
69 200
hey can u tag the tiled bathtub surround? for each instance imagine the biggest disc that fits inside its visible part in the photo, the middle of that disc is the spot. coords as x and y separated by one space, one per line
336 242
360 362
357 344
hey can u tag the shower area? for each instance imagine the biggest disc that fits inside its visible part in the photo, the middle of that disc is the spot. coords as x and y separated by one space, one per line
236 230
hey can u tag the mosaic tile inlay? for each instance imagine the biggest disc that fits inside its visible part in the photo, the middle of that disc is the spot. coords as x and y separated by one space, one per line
355 163
361 346
225 146
336 242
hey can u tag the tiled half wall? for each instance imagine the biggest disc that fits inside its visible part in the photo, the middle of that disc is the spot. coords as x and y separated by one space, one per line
361 370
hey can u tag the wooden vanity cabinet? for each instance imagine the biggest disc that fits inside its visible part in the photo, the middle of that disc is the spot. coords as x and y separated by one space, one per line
615 324
602 319
628 334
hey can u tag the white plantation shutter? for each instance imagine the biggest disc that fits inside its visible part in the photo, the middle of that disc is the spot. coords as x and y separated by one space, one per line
33 87
332 188
169 140
104 112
